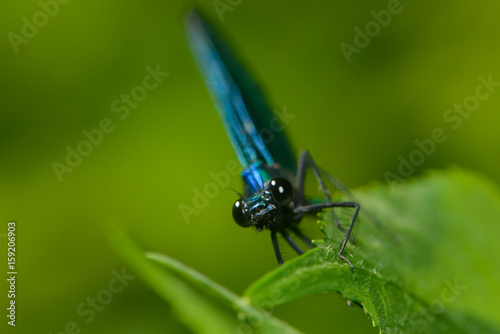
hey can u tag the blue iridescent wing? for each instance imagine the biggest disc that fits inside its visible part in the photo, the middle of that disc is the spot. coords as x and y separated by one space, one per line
238 99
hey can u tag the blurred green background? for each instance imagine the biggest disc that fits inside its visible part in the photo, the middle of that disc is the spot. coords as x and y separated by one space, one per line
356 119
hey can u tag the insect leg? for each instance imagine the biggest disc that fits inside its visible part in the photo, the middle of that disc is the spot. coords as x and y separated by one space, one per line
292 242
305 161
305 239
320 206
276 247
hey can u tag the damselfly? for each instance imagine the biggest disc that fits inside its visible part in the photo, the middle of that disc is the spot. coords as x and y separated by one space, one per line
274 196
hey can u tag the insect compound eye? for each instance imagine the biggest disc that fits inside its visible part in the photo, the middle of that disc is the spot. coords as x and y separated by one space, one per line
282 191
239 215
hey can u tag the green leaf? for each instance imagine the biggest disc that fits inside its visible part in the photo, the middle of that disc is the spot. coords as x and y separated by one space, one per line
433 268
203 305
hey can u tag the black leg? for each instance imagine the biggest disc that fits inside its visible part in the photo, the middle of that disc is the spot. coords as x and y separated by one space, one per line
276 247
394 238
351 225
313 208
292 242
305 239
305 160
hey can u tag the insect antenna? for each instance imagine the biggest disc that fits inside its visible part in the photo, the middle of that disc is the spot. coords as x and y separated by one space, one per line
241 196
